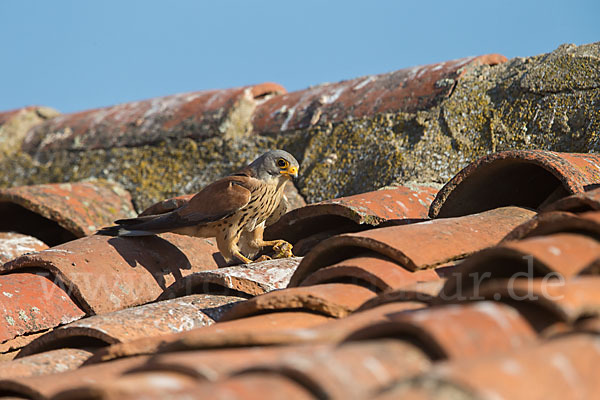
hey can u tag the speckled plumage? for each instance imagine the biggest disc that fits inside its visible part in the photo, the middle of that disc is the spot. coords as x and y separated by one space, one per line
230 208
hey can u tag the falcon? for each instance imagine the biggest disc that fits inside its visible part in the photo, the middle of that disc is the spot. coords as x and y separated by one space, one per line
230 208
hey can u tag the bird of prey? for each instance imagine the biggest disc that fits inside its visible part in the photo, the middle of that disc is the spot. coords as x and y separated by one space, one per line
228 208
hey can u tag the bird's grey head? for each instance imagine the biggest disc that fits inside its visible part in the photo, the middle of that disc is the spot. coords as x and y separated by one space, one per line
275 164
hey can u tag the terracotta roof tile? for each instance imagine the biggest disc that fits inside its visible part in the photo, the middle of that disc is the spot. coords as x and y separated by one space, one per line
405 90
161 385
245 280
420 245
547 223
554 370
32 303
106 274
14 244
314 222
569 300
456 331
155 319
370 270
57 213
565 254
578 202
527 178
481 301
50 362
422 291
272 328
197 115
331 299
45 386
352 370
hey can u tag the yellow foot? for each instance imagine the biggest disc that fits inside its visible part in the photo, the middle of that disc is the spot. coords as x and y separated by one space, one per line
283 249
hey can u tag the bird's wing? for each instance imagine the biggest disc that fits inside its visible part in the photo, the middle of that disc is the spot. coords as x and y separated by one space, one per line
216 201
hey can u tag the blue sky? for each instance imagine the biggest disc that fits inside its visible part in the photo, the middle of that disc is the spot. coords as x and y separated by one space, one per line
76 55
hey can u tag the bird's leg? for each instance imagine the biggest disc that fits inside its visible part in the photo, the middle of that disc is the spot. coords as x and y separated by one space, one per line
241 257
229 249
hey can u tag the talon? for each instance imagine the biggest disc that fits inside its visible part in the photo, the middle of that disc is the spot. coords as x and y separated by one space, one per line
283 249
262 258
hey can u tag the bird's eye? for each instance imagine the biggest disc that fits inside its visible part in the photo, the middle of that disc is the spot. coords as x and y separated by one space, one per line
281 163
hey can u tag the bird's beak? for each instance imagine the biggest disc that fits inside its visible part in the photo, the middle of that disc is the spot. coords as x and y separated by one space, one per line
291 171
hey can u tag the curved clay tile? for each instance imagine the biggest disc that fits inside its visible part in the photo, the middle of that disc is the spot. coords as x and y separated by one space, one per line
331 299
244 280
456 331
14 244
578 202
526 178
157 385
557 369
197 115
46 386
424 292
547 223
311 224
420 245
60 212
406 90
106 274
559 255
31 303
49 362
282 327
370 270
351 370
569 300
155 319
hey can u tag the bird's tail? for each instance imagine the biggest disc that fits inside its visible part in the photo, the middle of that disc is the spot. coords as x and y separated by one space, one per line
120 231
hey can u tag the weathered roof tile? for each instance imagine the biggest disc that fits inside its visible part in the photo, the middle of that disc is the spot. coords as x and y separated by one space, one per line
556 369
526 178
49 362
106 274
196 115
32 303
373 270
406 90
457 331
559 255
59 212
14 244
420 245
244 280
168 316
331 299
315 222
